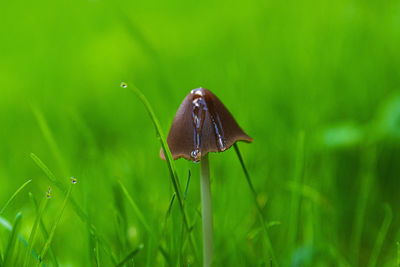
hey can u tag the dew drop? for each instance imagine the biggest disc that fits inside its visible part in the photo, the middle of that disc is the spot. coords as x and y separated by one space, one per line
48 193
196 155
124 85
73 180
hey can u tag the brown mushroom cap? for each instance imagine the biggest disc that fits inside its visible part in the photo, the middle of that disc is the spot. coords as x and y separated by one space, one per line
202 124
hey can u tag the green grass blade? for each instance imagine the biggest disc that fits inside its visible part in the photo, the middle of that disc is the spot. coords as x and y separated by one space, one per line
120 218
368 176
31 240
44 127
82 215
47 171
260 215
55 224
139 214
7 225
187 186
169 160
11 241
381 236
141 218
398 254
14 196
130 255
97 254
44 231
295 201
164 145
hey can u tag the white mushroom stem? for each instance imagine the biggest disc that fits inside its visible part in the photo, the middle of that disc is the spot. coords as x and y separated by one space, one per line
206 211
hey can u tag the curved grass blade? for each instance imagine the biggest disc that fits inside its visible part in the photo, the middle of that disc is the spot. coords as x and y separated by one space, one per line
187 186
82 215
55 224
48 135
14 196
44 231
10 246
142 219
260 215
97 254
47 171
368 176
7 225
398 254
139 214
35 226
130 255
169 160
381 236
167 152
295 198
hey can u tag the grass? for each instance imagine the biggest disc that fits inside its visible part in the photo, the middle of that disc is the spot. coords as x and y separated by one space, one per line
316 84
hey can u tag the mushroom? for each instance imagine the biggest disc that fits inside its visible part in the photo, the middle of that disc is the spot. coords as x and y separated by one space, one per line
201 125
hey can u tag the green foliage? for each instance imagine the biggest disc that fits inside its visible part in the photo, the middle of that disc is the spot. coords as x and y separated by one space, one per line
315 83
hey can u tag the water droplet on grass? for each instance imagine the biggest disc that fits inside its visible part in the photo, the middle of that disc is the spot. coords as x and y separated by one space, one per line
124 85
73 180
48 193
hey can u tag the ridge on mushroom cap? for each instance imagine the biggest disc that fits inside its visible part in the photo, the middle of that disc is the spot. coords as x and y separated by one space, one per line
201 125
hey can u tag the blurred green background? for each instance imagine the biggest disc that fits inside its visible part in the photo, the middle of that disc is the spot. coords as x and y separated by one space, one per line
315 83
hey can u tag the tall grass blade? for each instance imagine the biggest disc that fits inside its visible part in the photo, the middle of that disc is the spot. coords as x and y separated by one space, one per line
130 255
35 226
398 254
139 214
164 231
14 196
7 225
44 231
55 224
167 152
187 186
97 254
47 171
82 215
295 202
168 158
368 164
260 215
11 241
44 127
120 218
381 236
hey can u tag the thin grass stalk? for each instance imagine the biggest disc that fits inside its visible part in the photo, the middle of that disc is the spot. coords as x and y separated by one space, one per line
259 210
130 255
53 228
367 177
11 241
296 196
137 211
381 236
81 214
44 232
169 159
14 196
32 236
7 225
